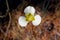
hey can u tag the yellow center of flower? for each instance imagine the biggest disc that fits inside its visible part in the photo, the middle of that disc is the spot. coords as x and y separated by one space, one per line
29 17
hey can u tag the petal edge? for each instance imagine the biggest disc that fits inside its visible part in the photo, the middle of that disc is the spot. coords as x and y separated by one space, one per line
22 22
29 9
37 20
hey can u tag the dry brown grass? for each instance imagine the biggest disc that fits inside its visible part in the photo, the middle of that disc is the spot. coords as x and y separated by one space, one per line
13 31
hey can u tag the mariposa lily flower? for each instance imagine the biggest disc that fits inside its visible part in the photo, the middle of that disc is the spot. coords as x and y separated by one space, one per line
29 17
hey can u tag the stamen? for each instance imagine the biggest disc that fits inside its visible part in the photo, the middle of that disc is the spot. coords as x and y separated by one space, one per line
29 17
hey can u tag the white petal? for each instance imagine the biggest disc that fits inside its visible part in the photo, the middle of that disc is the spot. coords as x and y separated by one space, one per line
29 9
37 20
22 22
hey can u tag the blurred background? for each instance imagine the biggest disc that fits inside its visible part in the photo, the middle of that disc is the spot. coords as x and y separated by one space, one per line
49 5
46 6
